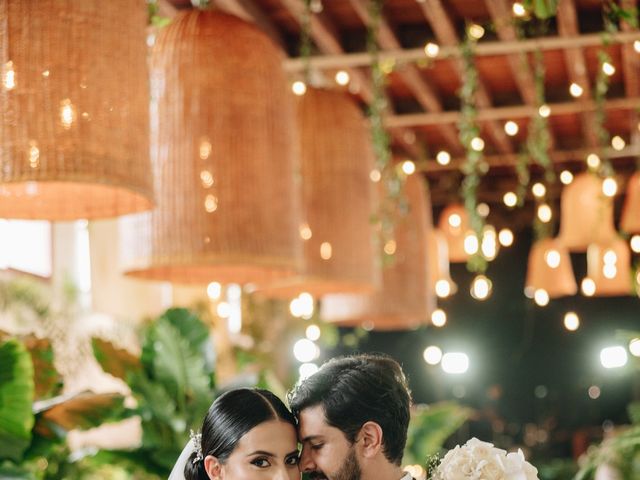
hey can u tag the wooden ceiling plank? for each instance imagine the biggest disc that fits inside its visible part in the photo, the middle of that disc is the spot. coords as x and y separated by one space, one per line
326 37
495 161
445 32
423 92
576 65
489 48
511 112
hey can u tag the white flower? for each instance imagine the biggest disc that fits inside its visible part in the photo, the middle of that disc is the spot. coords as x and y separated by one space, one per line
478 460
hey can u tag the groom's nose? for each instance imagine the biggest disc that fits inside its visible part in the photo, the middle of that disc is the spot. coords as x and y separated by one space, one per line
306 463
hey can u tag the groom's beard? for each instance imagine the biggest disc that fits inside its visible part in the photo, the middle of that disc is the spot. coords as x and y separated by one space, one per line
349 470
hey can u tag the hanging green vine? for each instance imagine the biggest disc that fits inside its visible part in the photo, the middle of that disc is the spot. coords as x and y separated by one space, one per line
474 166
305 40
393 203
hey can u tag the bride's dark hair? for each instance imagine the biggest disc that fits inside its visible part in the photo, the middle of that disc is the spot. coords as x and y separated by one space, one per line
231 416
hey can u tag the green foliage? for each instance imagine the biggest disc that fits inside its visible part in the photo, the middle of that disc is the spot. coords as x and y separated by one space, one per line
430 427
542 9
557 469
172 383
621 452
475 166
16 396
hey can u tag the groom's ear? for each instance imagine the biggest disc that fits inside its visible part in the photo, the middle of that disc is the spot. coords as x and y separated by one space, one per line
371 438
212 466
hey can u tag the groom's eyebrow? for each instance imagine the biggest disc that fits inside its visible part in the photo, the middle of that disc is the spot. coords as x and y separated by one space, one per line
309 438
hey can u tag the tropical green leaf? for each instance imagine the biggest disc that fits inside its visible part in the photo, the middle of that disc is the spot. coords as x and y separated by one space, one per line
113 360
430 427
48 381
16 397
189 325
81 411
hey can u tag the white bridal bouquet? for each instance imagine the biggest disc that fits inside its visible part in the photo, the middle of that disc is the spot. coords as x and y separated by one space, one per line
477 460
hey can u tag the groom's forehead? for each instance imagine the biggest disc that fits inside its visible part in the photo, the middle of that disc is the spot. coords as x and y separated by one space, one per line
312 421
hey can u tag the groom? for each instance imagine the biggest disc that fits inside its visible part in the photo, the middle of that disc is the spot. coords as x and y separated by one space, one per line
353 417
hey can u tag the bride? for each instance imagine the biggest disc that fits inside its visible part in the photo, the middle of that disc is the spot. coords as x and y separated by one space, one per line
246 434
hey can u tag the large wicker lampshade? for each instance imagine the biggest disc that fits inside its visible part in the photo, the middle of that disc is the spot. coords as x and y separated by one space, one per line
609 267
74 109
222 144
337 199
630 220
587 214
406 298
550 269
454 223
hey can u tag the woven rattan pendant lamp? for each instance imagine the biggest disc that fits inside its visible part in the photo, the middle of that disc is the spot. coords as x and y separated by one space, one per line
337 199
74 109
587 214
609 267
630 219
454 224
549 269
406 299
222 144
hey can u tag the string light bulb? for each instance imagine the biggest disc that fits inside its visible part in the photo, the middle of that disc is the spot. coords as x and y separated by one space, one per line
443 157
518 9
609 187
408 167
539 190
576 90
510 199
588 287
477 144
438 318
608 69
505 237
544 111
342 78
571 321
299 88
618 143
476 31
593 160
431 50
544 213
566 177
481 287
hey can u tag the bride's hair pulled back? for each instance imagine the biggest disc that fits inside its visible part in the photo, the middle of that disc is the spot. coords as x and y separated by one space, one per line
229 418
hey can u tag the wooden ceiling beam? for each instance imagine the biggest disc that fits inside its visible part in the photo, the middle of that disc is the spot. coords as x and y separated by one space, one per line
501 14
514 112
430 166
410 74
489 48
326 38
446 34
500 11
576 65
631 71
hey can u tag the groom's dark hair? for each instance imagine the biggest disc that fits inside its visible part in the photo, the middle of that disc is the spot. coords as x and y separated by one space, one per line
358 389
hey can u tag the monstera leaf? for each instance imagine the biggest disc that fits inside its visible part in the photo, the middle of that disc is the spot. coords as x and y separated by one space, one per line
47 380
16 397
81 411
430 427
114 360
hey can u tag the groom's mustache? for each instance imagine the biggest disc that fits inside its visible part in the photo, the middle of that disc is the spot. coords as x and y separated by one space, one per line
317 476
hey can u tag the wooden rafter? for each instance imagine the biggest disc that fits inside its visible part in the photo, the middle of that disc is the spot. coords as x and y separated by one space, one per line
509 160
518 111
248 10
489 48
326 38
446 34
410 74
576 65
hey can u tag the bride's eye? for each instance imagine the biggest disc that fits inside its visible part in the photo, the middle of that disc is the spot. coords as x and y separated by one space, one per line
261 462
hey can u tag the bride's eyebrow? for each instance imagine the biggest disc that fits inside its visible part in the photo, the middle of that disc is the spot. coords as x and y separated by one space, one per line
290 454
261 452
